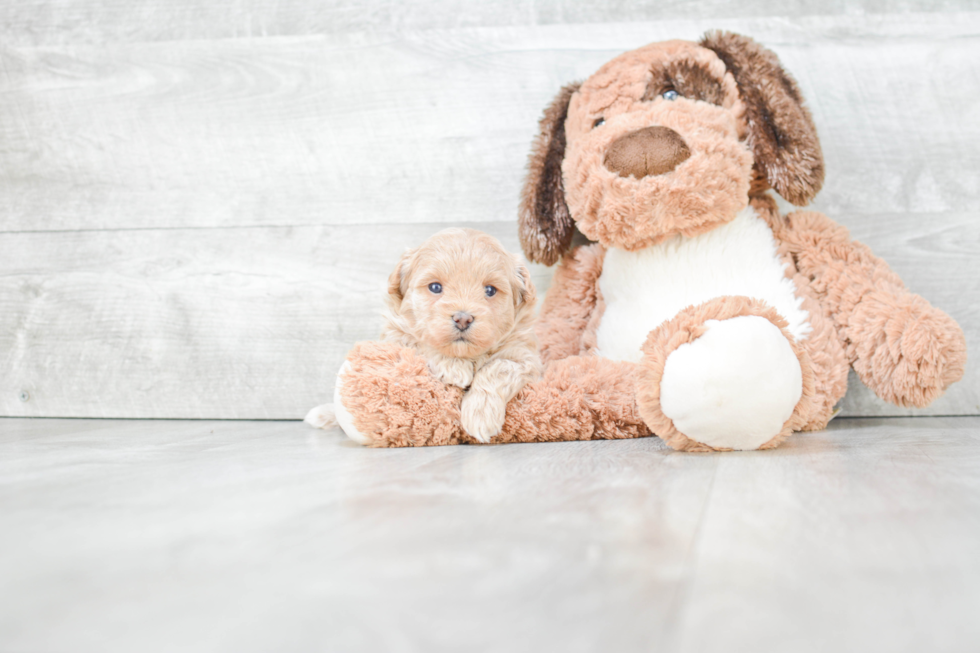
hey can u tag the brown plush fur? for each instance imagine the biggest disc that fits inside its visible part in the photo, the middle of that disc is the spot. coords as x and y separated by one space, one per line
827 358
690 80
728 77
395 402
567 311
708 188
900 346
781 132
687 326
743 122
545 226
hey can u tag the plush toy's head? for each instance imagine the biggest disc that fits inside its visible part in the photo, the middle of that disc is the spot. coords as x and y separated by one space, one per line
668 139
460 293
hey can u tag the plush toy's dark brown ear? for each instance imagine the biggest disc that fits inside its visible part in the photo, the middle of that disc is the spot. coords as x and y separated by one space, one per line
781 134
544 223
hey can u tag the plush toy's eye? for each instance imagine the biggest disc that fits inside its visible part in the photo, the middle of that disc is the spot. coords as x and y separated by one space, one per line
671 94
490 291
598 121
435 288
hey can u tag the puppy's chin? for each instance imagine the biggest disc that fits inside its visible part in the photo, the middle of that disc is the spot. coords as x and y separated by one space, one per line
464 349
460 346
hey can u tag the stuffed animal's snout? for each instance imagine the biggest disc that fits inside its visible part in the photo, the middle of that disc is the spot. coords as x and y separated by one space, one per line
644 152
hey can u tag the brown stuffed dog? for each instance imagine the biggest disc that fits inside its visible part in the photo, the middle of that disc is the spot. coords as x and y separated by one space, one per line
698 312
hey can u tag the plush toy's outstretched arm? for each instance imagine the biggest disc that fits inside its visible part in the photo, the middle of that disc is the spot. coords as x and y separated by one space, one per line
903 348
389 399
570 304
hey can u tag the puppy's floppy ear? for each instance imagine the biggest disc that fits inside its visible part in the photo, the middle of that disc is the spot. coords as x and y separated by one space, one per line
400 278
544 223
782 135
523 289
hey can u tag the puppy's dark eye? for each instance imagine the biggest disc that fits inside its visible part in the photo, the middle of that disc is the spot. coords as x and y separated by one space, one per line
670 94
598 121
435 288
490 291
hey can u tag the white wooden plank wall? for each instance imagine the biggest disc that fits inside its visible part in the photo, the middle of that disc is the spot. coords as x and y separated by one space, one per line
200 201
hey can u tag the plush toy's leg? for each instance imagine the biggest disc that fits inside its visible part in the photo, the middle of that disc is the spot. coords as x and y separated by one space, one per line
386 396
394 401
724 375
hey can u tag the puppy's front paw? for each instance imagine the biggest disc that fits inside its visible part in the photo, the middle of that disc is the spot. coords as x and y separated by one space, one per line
482 414
453 371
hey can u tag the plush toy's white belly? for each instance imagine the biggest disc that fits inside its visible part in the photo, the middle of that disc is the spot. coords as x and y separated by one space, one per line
645 288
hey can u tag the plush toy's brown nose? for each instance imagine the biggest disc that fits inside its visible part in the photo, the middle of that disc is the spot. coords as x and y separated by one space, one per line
649 151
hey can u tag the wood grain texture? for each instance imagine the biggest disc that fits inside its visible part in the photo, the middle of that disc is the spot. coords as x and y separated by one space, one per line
201 227
254 322
851 536
242 536
36 22
222 323
434 126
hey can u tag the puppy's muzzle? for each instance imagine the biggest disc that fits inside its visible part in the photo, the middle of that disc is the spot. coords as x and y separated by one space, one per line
462 320
644 152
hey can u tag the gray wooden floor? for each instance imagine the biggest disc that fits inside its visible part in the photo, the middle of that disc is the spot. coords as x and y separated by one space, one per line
270 536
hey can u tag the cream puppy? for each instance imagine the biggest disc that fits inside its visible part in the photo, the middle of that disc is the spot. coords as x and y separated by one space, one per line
466 304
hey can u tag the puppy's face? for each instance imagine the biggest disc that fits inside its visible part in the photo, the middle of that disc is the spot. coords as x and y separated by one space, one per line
460 293
655 147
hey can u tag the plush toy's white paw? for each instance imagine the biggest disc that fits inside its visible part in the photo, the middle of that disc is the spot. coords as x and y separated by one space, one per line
482 414
344 419
452 371
735 386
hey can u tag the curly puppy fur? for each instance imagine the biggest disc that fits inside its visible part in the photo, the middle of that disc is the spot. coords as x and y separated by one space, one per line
467 305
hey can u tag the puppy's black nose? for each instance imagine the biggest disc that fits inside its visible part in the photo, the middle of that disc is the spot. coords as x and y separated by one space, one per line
462 320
